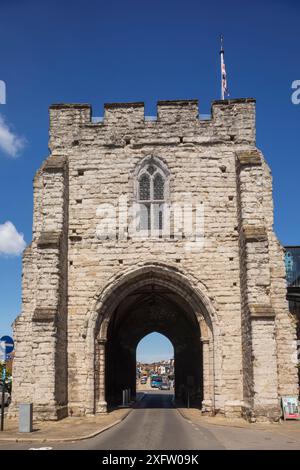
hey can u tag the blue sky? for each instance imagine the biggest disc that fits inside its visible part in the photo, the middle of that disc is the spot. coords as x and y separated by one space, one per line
154 347
97 51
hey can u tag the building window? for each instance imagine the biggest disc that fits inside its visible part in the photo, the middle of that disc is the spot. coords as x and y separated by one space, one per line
144 191
152 181
292 265
158 187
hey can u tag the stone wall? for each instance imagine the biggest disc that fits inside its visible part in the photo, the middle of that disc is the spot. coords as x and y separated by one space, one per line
240 269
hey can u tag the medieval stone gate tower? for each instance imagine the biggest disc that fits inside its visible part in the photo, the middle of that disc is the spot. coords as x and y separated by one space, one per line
92 290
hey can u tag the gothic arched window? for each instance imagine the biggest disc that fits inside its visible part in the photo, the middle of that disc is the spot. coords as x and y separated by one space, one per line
152 181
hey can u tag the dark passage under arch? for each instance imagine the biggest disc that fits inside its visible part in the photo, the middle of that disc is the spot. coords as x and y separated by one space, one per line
147 309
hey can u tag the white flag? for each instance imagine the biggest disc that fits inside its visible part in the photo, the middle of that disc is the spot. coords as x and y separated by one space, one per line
224 88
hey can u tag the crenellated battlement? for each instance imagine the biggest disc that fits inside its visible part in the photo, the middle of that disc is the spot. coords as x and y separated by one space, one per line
230 120
166 110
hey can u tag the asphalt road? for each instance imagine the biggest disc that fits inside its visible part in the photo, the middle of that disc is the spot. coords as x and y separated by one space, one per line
154 424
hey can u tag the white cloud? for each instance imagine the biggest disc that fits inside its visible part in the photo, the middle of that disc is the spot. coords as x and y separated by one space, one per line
10 143
11 241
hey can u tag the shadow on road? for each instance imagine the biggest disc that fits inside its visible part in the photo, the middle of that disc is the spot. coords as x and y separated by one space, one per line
155 400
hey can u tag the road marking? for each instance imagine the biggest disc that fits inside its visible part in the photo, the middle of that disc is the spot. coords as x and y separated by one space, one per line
40 448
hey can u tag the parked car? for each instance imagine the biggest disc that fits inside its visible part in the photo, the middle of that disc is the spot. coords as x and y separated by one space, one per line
143 380
156 381
7 398
165 386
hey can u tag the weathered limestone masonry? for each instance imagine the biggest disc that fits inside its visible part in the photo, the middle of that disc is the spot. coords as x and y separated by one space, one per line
73 281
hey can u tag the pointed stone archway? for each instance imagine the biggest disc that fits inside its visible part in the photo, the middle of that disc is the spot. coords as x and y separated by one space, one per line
153 297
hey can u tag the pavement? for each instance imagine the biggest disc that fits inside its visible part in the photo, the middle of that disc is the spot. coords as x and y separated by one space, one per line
288 429
68 429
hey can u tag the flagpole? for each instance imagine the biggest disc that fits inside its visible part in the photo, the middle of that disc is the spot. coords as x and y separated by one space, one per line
222 65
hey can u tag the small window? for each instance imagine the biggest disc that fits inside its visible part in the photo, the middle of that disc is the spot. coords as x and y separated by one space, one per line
151 196
158 187
144 190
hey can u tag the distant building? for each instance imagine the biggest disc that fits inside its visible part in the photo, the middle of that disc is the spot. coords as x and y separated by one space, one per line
9 362
292 266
